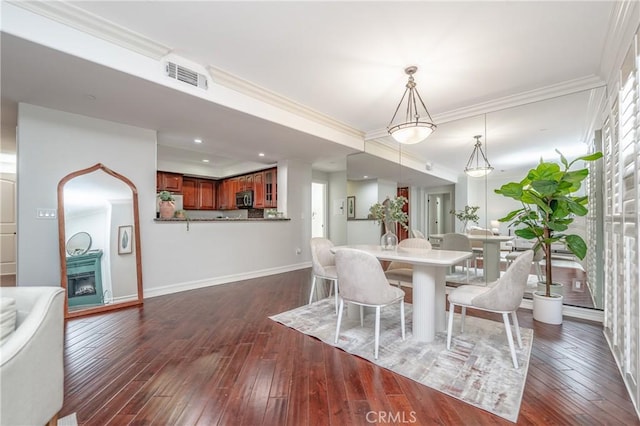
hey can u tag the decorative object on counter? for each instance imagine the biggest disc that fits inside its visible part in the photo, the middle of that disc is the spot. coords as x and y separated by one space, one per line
270 213
181 214
167 207
125 239
549 206
390 212
466 215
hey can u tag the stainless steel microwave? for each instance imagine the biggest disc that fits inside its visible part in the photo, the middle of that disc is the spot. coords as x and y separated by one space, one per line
244 199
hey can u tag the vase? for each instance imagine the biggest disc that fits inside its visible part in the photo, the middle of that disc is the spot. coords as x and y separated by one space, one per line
167 209
389 240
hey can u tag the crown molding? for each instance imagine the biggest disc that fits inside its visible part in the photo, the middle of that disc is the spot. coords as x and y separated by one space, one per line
540 94
389 151
254 91
90 23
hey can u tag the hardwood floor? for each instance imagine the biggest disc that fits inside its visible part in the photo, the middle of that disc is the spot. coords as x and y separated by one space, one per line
212 357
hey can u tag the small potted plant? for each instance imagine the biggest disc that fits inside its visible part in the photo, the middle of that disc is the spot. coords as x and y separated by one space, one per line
549 206
389 212
167 207
466 215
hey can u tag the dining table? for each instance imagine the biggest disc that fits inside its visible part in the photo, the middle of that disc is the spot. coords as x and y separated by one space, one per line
490 252
429 270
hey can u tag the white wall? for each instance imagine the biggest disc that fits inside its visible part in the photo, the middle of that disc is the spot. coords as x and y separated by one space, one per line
53 143
366 193
337 220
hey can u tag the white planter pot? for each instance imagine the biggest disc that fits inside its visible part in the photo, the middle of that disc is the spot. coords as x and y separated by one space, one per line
556 288
547 309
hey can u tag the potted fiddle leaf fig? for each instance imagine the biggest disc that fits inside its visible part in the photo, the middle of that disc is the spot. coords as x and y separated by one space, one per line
549 206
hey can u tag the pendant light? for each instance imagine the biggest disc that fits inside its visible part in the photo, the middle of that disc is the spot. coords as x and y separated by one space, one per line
475 167
417 124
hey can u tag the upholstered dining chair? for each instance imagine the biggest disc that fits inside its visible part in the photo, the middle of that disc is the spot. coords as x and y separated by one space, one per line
417 234
537 258
478 246
323 266
403 272
458 242
362 282
502 296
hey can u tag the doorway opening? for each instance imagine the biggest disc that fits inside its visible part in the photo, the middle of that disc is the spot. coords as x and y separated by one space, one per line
318 210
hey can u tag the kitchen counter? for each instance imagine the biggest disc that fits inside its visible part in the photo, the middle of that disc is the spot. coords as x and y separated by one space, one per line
230 219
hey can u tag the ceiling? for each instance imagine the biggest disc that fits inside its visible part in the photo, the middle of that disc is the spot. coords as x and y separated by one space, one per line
344 60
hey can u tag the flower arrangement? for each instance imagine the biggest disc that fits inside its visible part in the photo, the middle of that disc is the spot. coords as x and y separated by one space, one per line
390 211
466 215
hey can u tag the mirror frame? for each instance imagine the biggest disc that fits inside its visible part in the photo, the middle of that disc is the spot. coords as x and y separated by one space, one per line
62 242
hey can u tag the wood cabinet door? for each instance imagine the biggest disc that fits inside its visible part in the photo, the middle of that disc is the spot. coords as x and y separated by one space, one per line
270 188
206 194
221 195
234 186
258 190
171 182
189 194
249 185
242 183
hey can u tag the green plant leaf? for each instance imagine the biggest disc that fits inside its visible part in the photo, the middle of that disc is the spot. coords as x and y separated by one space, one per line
590 157
576 245
511 189
526 233
545 187
576 208
563 159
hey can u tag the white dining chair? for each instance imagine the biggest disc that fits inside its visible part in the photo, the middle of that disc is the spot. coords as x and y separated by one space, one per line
403 272
537 258
323 266
502 296
362 282
417 234
478 246
458 242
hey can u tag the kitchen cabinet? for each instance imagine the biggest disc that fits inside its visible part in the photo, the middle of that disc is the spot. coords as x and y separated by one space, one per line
227 193
262 183
198 194
270 188
258 190
166 181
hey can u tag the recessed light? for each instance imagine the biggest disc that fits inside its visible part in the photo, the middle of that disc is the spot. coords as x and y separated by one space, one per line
261 154
365 177
205 160
197 140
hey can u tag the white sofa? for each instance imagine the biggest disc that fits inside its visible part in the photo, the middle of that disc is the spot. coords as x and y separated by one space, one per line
31 357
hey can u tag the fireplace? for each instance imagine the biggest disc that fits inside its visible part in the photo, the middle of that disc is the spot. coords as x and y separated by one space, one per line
84 279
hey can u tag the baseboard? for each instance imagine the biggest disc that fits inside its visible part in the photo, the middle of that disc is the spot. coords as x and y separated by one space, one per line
192 285
572 311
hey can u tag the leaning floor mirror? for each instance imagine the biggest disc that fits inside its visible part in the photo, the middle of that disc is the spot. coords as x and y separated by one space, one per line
99 241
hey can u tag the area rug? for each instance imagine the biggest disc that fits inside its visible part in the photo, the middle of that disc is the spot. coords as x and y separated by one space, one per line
69 420
478 369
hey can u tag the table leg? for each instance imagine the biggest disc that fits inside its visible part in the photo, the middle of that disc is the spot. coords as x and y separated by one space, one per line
491 261
428 302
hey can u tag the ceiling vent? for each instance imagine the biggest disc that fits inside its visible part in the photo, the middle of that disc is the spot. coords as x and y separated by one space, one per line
186 75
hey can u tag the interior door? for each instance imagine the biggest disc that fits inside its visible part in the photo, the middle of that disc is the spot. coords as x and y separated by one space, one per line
8 224
318 209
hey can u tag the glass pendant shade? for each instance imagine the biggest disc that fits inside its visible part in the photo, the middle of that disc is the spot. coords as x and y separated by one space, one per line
478 165
417 124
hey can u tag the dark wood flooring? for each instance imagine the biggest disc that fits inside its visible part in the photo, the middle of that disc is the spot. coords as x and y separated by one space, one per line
212 357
